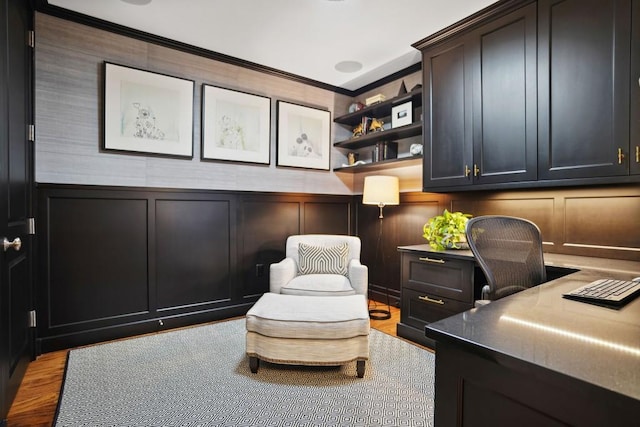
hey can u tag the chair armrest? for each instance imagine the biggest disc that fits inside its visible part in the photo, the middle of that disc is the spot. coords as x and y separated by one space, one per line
281 273
359 277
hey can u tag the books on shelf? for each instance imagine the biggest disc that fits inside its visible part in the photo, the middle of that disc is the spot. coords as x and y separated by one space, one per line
384 151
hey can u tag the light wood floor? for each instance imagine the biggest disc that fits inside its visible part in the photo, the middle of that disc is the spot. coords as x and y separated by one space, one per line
35 403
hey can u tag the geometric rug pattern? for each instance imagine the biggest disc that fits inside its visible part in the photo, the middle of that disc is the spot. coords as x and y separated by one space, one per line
200 377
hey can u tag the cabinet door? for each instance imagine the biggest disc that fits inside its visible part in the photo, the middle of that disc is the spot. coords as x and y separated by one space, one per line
634 158
583 84
504 100
447 131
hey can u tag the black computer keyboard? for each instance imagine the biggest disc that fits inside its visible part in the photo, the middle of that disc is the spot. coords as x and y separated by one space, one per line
606 292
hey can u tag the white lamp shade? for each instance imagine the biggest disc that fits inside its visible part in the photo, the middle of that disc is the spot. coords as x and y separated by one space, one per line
381 190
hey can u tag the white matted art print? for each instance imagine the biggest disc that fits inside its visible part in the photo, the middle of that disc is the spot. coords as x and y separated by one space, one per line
147 112
304 136
236 125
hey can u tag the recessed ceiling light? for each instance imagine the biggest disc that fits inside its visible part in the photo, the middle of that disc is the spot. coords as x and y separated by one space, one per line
348 66
137 2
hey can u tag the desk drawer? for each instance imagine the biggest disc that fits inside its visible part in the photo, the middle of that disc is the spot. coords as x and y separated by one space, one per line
438 276
420 308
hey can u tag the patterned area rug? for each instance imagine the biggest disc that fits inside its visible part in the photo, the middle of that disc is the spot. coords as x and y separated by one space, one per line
200 377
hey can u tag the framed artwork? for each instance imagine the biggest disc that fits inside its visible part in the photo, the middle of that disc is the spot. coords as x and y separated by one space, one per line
236 126
401 115
304 136
146 112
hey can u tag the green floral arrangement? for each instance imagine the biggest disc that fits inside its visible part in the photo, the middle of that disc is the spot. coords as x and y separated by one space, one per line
447 231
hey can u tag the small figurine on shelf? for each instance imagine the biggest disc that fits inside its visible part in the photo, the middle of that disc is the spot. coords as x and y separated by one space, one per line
358 130
376 125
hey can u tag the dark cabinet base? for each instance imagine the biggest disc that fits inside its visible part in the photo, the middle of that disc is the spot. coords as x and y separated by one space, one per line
497 390
414 334
435 285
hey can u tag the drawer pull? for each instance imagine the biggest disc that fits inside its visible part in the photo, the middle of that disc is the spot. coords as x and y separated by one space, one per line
437 261
435 301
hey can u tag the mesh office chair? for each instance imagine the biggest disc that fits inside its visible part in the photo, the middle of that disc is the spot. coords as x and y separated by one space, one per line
509 251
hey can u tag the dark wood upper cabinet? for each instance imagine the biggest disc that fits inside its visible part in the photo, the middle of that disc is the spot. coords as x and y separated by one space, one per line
504 110
583 88
447 126
480 105
533 93
634 158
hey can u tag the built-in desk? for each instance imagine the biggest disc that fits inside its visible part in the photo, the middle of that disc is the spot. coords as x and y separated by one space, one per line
535 358
439 284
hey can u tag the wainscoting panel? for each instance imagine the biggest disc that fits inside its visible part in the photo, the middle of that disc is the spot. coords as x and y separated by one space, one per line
268 221
266 224
602 224
193 259
326 218
96 251
597 221
116 262
539 209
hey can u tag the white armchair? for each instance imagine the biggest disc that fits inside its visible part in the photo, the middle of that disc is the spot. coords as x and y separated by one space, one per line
320 265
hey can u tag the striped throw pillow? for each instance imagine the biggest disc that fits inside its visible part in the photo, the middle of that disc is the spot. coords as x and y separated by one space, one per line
323 259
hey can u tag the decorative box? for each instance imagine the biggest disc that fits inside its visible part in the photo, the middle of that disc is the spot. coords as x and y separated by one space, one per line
374 99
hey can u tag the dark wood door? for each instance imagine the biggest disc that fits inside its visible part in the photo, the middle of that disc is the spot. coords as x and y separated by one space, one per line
583 88
504 99
16 346
447 133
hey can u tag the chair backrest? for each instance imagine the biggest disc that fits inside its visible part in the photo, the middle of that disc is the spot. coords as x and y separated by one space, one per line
509 251
291 250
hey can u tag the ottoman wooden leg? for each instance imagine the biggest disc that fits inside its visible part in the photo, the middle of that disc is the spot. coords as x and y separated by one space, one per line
254 363
360 364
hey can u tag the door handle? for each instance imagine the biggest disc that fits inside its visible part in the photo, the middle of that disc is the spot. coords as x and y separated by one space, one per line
16 244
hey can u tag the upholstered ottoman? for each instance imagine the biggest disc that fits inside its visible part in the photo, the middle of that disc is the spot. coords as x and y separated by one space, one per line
308 330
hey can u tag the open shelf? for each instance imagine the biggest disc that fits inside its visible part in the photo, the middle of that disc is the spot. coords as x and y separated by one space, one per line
381 109
401 132
381 165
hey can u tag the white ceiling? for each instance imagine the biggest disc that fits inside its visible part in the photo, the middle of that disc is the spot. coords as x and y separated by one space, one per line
303 37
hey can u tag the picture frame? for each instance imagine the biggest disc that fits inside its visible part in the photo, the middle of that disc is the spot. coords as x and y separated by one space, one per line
147 112
401 115
236 126
304 136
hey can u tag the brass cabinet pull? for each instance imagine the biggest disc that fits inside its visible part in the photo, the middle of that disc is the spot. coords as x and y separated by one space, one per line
467 171
16 244
620 156
435 301
476 170
637 153
427 259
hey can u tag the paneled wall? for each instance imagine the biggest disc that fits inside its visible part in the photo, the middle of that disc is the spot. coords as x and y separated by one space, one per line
69 100
115 262
595 221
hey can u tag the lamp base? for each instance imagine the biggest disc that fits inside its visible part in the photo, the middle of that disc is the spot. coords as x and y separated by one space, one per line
378 314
